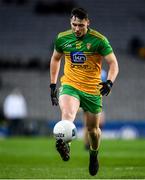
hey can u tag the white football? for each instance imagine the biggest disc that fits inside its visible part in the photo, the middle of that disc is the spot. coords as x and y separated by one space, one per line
65 130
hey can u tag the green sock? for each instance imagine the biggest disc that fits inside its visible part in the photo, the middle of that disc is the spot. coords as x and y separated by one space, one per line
93 151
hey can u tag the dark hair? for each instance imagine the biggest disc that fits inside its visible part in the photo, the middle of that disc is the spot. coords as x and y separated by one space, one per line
80 13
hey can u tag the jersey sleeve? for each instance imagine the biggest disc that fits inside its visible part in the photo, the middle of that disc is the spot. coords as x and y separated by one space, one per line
105 47
57 45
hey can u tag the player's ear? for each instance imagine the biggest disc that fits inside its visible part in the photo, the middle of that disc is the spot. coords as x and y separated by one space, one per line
70 21
88 22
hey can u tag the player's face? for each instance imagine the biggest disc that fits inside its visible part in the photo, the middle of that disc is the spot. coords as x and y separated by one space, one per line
79 26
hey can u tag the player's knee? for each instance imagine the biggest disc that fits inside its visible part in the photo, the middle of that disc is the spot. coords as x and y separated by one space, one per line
68 115
94 131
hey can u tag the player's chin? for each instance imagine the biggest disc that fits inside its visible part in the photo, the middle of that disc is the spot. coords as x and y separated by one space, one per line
78 34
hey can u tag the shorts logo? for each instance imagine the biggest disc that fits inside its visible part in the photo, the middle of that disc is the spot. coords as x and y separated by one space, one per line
78 57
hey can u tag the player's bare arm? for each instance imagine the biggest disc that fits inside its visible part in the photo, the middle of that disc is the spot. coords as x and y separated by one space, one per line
112 74
113 66
54 71
55 66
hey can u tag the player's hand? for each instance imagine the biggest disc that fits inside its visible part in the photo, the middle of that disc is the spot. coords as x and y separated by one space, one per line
54 98
106 87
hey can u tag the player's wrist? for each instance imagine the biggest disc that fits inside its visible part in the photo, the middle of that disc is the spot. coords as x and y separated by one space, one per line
52 86
110 83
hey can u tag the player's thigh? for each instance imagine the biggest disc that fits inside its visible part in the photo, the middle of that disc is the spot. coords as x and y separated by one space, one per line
69 100
69 104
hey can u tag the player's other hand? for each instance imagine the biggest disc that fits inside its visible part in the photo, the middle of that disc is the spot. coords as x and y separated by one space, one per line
54 98
106 87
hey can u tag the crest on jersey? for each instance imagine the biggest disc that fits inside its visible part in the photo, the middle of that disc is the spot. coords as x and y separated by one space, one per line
88 46
78 45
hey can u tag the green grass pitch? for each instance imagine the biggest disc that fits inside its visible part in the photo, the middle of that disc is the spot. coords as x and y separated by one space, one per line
36 158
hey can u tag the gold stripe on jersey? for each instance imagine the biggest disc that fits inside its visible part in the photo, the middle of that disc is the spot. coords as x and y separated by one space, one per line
96 33
88 53
65 33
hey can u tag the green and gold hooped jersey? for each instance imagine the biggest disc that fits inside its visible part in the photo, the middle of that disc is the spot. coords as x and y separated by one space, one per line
83 59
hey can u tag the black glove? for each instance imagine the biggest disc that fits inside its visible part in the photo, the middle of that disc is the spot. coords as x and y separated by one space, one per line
106 87
54 98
